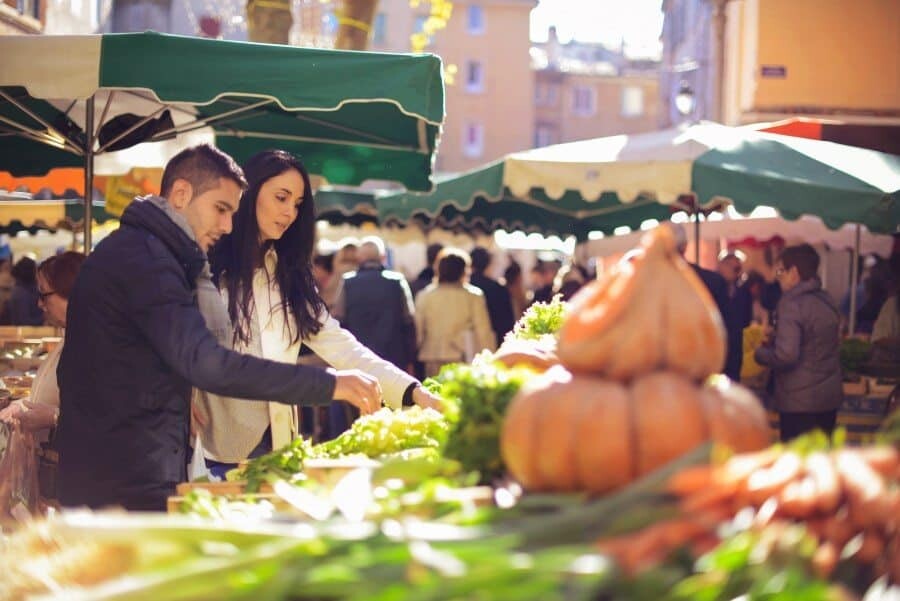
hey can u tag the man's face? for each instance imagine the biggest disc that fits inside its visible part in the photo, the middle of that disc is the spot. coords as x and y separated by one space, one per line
787 277
730 269
209 214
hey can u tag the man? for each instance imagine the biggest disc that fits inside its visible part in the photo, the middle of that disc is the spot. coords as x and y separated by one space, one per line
378 309
804 353
714 282
426 276
737 315
378 306
136 343
499 303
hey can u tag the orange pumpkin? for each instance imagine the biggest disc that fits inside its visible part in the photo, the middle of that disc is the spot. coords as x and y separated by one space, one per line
564 433
649 313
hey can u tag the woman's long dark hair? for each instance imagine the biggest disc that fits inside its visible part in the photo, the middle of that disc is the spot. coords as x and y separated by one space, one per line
237 255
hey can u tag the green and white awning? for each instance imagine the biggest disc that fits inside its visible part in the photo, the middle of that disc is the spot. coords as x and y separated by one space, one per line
351 116
605 183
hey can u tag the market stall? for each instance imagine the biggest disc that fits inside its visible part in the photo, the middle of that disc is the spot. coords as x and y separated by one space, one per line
116 103
588 458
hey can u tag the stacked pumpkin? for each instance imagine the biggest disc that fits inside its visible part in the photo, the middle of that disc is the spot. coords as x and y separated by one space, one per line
630 396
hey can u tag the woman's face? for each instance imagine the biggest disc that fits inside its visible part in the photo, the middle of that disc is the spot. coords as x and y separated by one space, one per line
278 204
52 304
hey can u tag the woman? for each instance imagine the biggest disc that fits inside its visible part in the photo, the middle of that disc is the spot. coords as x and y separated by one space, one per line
452 321
55 279
264 271
515 283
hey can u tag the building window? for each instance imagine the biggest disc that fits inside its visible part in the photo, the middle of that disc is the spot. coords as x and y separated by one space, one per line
29 8
552 94
543 136
473 140
474 77
378 28
475 19
632 101
583 101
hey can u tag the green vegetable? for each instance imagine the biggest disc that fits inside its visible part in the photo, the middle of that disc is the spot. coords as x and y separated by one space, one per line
476 398
541 319
387 431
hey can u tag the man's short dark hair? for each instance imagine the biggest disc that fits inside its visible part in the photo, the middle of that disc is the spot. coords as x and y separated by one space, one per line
804 257
202 166
452 264
481 258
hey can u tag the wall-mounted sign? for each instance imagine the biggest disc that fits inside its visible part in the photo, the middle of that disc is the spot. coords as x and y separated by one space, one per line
779 71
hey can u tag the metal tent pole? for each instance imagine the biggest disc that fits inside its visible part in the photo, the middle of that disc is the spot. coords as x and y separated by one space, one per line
88 172
854 282
696 236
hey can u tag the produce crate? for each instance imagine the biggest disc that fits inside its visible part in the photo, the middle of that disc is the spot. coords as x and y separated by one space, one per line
860 415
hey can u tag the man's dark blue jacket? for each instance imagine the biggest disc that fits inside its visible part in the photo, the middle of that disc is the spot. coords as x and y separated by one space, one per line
135 344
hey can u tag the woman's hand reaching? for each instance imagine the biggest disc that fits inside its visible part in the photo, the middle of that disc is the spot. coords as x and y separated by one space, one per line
357 388
426 400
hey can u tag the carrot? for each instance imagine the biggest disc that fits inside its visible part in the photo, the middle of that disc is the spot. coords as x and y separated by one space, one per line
710 497
871 548
766 513
823 473
704 544
864 488
691 480
740 467
799 498
643 549
824 559
883 459
839 529
768 482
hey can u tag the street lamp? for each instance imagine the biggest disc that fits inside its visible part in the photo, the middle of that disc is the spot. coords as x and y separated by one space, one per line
684 99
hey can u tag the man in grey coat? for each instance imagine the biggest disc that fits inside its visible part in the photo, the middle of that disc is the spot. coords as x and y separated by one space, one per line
804 353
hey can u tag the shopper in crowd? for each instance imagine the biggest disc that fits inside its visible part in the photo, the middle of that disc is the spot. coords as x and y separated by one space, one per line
23 306
738 312
6 287
452 322
515 283
569 279
426 276
714 282
40 410
346 259
543 275
499 303
263 266
378 310
136 342
886 330
804 351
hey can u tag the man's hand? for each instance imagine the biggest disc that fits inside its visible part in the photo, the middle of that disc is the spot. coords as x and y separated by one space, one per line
30 416
357 388
424 399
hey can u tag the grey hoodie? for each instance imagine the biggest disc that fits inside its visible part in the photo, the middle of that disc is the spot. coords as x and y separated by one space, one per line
805 356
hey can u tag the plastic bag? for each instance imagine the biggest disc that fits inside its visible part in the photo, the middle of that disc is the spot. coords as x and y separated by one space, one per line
197 468
19 493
